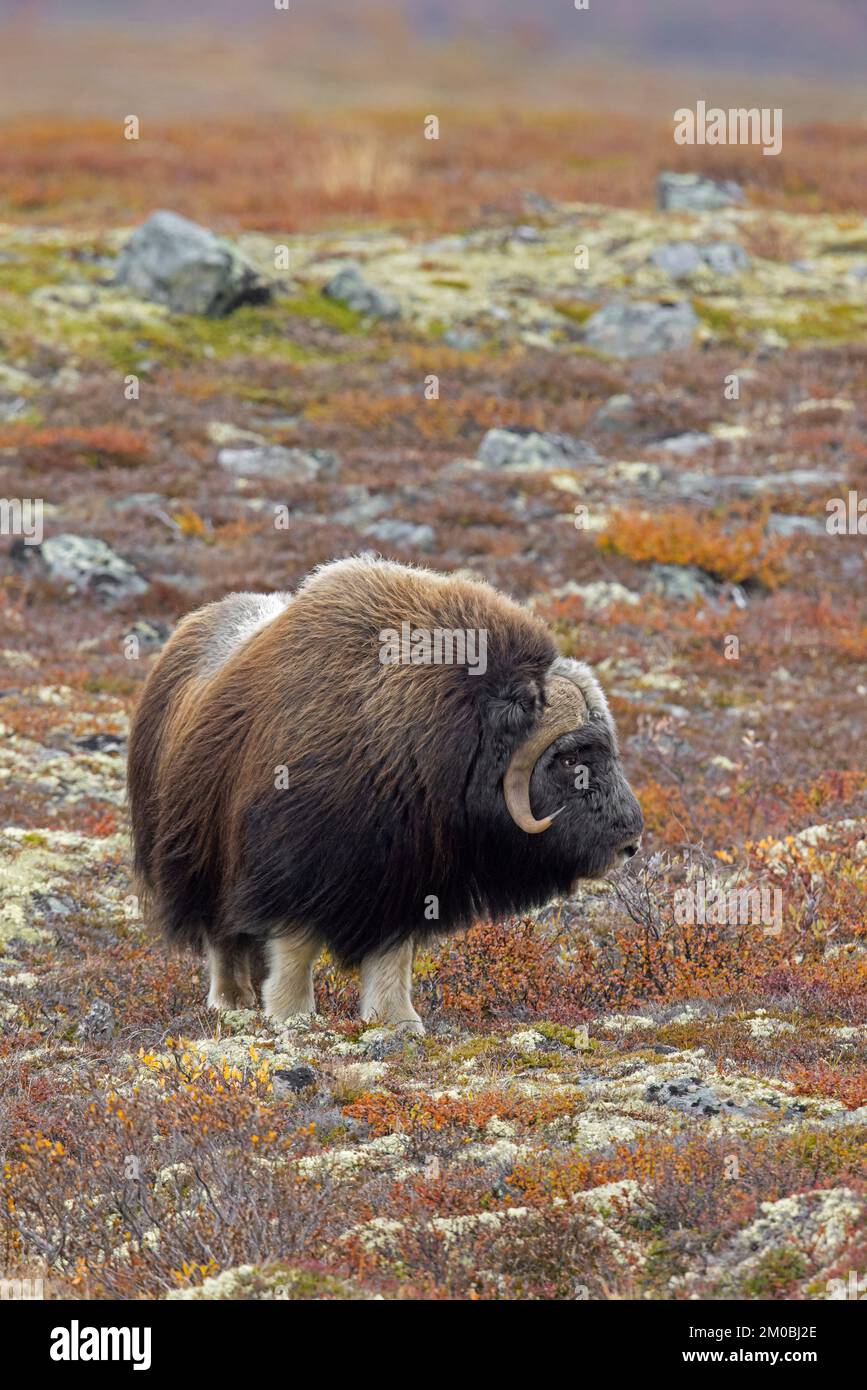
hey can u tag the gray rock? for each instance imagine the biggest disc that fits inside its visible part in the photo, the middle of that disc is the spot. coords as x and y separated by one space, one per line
149 634
90 566
463 339
101 743
350 287
680 259
599 594
289 1081
689 1095
12 407
706 486
97 1026
780 524
139 501
616 413
175 262
685 583
725 257
362 507
275 461
527 451
686 443
526 233
696 193
410 534
641 328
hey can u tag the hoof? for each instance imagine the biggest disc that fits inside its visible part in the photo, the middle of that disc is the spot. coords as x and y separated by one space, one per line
225 999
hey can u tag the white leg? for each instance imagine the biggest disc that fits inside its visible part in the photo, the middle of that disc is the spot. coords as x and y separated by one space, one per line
386 988
288 990
231 986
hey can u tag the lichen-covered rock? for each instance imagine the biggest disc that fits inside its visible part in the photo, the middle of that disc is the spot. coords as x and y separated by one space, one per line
696 193
528 451
791 1236
681 259
350 287
641 328
184 266
89 565
275 461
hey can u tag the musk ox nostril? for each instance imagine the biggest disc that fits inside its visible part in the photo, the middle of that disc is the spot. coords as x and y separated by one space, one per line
630 850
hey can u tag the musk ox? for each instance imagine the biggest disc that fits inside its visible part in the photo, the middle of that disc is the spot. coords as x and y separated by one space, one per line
297 780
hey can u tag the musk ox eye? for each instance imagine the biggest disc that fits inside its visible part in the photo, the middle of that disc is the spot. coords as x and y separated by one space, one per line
568 760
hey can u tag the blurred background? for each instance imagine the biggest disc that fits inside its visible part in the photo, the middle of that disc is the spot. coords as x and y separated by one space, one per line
583 98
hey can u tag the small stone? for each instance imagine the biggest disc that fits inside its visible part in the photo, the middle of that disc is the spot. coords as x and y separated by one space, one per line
350 287
528 451
685 583
686 443
679 259
782 524
696 193
463 339
618 412
393 531
275 461
293 1080
725 257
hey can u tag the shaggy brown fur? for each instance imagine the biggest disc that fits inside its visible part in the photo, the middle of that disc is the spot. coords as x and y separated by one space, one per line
293 784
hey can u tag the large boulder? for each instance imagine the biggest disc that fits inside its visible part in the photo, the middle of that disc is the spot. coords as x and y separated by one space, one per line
175 262
350 287
89 565
696 193
641 328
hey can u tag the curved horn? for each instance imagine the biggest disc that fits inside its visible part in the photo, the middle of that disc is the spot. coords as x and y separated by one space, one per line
565 710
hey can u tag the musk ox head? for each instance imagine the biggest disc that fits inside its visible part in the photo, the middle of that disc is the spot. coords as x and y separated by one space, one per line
292 771
570 761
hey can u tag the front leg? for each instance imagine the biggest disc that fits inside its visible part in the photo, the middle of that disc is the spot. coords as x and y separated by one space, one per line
288 989
386 988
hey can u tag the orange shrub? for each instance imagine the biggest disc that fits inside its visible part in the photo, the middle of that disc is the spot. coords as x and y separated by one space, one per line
680 537
92 447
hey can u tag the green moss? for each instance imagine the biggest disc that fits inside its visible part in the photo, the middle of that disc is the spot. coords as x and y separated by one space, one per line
251 331
825 323
578 313
775 1273
560 1033
451 284
111 685
313 305
475 1047
723 323
812 322
541 1061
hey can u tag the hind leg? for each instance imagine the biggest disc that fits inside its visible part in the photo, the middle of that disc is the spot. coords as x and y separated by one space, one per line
231 982
288 989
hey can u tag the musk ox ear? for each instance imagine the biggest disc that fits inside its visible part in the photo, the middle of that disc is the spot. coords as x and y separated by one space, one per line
512 709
